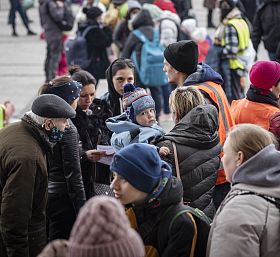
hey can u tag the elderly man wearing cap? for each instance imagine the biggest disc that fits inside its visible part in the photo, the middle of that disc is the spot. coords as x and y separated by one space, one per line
182 68
23 175
262 97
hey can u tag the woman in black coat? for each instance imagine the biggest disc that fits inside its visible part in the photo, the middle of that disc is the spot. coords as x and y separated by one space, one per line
98 39
66 193
196 138
91 114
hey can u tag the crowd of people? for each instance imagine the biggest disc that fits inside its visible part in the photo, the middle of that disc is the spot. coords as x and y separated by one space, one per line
82 176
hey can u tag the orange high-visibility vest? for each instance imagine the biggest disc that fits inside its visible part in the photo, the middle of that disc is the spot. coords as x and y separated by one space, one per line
226 121
246 111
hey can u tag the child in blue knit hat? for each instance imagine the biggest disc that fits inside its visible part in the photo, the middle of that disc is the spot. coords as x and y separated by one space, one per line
138 123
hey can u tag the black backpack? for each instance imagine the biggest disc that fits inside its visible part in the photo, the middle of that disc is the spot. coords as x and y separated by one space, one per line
201 222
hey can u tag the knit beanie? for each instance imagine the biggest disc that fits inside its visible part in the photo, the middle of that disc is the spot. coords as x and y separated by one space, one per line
93 12
265 74
274 124
136 100
183 56
102 229
141 165
69 91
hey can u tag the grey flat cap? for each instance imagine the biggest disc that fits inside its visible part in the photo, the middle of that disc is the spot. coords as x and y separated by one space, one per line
52 106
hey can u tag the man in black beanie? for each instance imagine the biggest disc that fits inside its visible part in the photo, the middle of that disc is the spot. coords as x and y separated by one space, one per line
182 69
24 177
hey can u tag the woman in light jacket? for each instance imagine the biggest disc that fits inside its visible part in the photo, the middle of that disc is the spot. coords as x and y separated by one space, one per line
248 220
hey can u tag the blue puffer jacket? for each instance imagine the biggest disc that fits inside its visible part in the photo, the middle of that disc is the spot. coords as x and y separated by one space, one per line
127 132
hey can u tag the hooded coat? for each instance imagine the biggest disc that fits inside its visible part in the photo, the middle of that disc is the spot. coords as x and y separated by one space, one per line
216 97
112 98
247 224
198 150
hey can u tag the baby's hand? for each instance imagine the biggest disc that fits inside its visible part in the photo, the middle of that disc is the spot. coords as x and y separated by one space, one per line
163 151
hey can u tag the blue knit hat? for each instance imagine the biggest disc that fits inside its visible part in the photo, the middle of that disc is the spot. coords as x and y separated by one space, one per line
141 166
136 100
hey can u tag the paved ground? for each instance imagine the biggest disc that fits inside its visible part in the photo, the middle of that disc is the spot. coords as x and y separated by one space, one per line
22 58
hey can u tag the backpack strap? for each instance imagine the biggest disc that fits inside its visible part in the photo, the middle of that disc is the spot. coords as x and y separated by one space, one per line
156 36
176 160
273 200
140 35
87 29
172 213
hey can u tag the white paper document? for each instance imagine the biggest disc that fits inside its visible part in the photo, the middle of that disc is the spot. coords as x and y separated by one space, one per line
109 154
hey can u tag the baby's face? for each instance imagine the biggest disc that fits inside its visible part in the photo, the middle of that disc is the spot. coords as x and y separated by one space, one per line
146 118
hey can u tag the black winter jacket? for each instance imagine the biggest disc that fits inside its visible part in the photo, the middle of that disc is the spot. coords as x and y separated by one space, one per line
266 26
198 150
93 131
98 39
65 175
153 222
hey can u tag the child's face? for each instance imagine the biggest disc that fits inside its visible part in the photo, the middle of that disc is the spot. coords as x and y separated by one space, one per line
125 192
146 118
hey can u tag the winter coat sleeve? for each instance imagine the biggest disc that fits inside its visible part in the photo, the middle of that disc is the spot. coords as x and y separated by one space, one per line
16 206
180 238
237 228
130 45
117 35
71 167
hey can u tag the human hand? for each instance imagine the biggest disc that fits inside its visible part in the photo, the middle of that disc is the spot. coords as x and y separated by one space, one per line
95 155
163 151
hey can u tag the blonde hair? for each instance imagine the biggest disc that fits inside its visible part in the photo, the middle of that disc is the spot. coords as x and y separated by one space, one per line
250 139
184 99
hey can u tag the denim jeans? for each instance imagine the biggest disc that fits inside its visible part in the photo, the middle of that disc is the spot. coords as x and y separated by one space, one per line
54 49
17 7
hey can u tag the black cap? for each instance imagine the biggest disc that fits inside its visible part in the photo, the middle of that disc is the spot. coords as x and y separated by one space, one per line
183 56
52 106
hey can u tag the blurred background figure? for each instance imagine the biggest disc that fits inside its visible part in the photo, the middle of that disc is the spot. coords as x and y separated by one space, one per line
210 5
266 28
16 6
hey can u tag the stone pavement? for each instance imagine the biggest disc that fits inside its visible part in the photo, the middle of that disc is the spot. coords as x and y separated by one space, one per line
22 58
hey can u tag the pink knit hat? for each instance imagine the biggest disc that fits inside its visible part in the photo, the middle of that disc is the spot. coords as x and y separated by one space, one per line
102 229
265 74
